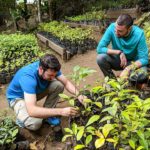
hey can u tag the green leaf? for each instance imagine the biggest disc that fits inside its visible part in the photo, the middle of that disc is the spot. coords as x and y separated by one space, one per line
87 101
76 68
14 132
97 89
140 147
140 134
144 143
8 141
132 143
125 115
142 140
71 102
106 129
92 119
109 94
65 137
90 129
74 128
64 96
99 142
111 140
88 139
114 84
98 104
106 118
79 146
80 133
111 110
68 130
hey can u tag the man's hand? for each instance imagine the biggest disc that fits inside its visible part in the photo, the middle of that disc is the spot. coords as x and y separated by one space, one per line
125 73
81 98
123 60
69 111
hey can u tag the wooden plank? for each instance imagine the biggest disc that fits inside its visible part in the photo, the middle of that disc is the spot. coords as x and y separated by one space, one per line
58 49
95 28
112 14
42 38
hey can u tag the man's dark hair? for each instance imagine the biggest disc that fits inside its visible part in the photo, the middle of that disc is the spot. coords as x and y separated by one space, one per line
49 61
125 19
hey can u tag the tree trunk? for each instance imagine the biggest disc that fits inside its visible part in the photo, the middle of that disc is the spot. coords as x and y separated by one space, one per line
50 9
39 10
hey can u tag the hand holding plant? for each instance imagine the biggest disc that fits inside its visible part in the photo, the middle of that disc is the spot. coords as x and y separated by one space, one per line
81 98
69 111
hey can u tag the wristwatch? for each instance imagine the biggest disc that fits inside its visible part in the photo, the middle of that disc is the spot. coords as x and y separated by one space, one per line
120 52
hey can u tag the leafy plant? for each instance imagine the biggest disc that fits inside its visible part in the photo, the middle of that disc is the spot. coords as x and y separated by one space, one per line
64 32
8 132
113 117
79 74
94 15
17 50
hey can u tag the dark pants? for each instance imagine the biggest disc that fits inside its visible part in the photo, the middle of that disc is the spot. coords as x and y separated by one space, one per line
108 62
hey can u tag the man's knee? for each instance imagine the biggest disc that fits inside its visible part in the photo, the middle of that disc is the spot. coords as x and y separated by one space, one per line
101 59
33 123
56 86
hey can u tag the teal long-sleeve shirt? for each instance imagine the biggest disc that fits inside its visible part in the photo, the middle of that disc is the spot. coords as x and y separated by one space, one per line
133 46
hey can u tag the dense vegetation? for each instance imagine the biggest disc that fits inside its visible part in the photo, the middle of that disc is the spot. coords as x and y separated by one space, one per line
17 50
73 39
114 117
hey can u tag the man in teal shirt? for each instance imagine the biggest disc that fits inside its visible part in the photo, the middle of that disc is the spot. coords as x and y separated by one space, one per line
129 51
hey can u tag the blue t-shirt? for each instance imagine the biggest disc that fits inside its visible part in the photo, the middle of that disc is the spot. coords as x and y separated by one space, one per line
133 46
27 80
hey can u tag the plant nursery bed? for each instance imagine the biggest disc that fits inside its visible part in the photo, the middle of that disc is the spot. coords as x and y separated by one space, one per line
58 49
66 48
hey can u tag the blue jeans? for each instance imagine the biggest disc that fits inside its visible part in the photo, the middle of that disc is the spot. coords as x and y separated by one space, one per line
108 62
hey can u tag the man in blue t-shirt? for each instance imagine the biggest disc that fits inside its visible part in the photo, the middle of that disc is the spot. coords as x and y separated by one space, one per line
129 51
32 83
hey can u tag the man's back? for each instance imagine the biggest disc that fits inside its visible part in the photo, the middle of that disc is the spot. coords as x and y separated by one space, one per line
26 80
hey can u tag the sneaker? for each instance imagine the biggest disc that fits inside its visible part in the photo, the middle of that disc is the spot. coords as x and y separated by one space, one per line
53 121
58 133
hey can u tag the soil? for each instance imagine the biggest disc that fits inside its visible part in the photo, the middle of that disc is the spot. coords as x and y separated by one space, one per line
44 137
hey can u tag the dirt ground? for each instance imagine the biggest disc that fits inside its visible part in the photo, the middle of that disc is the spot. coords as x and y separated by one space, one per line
41 137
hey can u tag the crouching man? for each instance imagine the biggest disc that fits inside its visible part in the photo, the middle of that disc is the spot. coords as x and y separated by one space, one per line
33 82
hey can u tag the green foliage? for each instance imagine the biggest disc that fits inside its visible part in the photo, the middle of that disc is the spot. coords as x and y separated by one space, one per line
8 131
65 32
121 119
80 73
147 31
94 15
17 50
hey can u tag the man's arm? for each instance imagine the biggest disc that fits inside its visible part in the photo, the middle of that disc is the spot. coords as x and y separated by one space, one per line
142 55
42 112
102 47
70 87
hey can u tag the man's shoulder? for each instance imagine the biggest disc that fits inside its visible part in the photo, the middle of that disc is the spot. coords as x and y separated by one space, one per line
112 25
31 67
137 30
28 70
